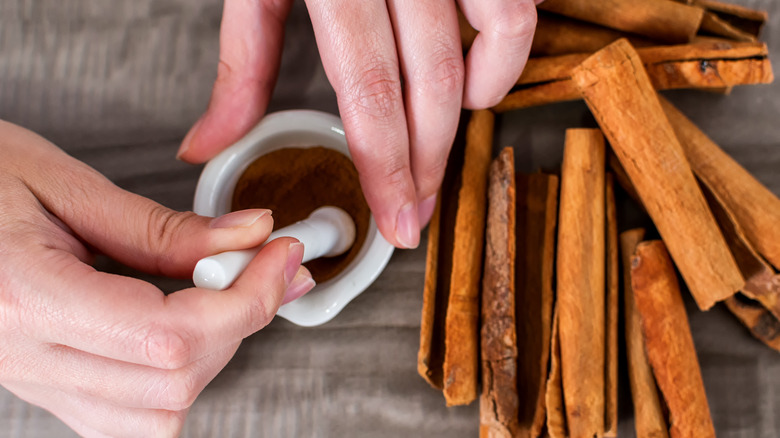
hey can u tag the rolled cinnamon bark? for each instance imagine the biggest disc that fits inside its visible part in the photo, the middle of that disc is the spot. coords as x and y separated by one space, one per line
430 353
581 282
537 207
662 20
668 341
712 24
461 324
449 335
763 325
745 20
559 35
707 63
649 419
553 396
761 282
755 208
611 313
499 401
618 92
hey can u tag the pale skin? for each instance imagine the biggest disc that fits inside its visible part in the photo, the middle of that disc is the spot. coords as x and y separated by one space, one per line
114 356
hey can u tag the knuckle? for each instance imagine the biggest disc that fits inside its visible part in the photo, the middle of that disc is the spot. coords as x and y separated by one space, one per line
374 90
444 77
430 177
518 21
168 423
163 226
224 72
167 348
178 391
260 310
394 174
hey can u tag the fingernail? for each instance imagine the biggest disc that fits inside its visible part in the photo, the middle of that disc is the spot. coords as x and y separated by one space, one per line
239 219
298 287
185 144
294 257
425 209
407 228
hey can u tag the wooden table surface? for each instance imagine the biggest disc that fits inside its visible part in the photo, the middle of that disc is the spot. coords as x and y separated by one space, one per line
118 83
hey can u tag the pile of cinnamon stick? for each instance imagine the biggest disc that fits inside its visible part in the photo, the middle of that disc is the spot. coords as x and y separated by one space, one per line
522 284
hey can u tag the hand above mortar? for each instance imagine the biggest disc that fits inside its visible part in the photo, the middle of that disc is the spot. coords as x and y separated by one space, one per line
399 135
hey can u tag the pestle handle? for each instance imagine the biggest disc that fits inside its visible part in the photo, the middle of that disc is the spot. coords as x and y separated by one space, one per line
327 232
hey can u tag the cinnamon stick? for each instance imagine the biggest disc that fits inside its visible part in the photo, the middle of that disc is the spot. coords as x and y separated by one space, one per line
449 335
649 418
668 341
763 325
499 402
431 343
559 35
618 92
537 214
580 281
755 208
438 269
553 396
712 24
761 282
611 314
662 20
749 21
461 324
707 63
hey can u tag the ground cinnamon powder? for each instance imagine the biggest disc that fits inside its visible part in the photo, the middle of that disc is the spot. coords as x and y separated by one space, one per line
293 182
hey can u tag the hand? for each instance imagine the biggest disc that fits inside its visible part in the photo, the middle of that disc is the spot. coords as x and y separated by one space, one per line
111 355
399 135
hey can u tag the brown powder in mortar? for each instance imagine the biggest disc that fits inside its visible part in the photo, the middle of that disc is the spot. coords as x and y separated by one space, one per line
293 182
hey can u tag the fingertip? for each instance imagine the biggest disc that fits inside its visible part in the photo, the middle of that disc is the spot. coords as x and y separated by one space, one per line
183 153
301 284
473 100
239 219
239 230
407 228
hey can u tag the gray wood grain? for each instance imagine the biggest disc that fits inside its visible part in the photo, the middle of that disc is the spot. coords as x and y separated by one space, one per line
117 84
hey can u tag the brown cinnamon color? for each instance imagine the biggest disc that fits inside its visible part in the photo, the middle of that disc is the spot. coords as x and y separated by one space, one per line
293 182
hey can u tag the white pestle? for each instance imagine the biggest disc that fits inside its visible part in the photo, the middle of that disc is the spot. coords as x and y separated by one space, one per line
327 232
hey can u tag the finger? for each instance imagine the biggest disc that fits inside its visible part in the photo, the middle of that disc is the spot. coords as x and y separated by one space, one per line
135 230
251 37
129 320
119 383
91 418
131 229
358 53
500 51
432 64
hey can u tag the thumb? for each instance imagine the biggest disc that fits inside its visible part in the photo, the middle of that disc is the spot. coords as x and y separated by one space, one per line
131 229
145 235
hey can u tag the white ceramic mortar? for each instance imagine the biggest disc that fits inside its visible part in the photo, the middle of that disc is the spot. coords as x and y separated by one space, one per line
295 128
